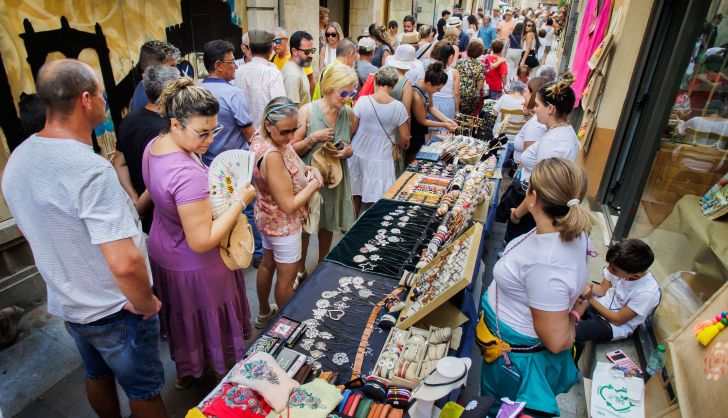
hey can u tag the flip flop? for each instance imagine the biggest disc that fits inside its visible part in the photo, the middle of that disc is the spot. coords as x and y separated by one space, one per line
300 277
262 320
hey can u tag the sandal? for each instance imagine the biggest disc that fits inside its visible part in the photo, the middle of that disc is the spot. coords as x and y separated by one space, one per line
262 320
300 277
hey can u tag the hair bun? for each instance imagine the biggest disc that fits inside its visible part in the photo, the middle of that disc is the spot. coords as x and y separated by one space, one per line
567 79
435 66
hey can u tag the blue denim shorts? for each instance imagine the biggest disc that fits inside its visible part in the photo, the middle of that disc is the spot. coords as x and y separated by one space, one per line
124 346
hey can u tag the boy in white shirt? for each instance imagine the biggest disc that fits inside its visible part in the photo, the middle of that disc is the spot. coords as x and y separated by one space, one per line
627 295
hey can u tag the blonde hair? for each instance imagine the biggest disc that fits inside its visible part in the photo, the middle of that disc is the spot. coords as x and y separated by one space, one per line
451 35
559 183
182 99
337 78
338 30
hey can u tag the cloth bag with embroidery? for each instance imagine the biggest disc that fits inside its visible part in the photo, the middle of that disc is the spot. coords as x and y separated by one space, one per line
233 401
261 373
312 400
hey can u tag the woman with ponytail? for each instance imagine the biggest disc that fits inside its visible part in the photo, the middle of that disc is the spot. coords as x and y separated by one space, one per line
532 305
553 104
284 186
205 314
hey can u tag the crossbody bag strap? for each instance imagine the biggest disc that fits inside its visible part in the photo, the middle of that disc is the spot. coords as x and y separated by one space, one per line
423 51
378 120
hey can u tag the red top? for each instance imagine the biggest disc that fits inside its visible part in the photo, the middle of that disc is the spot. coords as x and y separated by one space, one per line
494 75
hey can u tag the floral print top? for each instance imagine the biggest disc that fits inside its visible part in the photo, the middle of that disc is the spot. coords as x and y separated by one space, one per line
471 76
269 218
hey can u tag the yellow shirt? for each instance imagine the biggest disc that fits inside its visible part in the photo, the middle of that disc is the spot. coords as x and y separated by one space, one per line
280 62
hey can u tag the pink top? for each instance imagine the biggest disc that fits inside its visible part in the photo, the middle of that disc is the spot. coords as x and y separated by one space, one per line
593 29
269 218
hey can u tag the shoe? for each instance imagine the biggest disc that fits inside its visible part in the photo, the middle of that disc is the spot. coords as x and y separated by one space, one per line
182 383
300 277
262 320
256 262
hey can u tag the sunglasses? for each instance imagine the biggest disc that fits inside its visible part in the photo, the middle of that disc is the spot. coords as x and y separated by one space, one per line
202 135
345 94
331 34
307 51
286 132
278 41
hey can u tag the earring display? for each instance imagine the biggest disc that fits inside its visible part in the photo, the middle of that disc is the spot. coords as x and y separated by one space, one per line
430 168
385 238
419 188
408 356
447 274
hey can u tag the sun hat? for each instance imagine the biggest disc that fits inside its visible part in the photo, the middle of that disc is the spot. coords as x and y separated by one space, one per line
454 21
403 58
329 166
450 374
410 38
364 34
236 248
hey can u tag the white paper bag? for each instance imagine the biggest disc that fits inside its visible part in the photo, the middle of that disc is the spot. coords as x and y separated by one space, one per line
617 397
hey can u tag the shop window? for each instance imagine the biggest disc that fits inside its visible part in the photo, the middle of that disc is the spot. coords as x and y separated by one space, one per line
691 248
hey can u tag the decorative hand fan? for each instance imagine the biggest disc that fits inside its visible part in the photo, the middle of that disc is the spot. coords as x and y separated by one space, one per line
228 172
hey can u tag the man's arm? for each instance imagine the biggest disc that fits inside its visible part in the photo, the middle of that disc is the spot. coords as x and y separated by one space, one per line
122 170
129 270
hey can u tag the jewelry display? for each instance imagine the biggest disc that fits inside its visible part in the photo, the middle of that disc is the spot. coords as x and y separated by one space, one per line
419 188
438 281
384 239
407 352
469 125
430 168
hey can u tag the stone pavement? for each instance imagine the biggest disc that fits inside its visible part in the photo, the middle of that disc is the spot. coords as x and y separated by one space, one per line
41 374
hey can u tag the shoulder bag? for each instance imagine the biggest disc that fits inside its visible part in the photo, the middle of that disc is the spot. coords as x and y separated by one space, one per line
396 152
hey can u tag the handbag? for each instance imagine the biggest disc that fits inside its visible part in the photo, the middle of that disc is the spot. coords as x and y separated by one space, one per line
396 151
531 60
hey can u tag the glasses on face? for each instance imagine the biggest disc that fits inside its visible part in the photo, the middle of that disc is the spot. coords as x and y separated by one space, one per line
529 25
228 62
331 34
278 41
309 51
344 94
202 135
286 132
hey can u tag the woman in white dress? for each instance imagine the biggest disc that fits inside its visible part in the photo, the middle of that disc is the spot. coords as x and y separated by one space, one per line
371 168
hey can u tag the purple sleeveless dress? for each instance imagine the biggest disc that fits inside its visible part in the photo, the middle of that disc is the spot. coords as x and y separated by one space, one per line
205 314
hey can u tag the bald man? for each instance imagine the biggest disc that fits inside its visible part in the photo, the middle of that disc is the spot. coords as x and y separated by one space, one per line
87 243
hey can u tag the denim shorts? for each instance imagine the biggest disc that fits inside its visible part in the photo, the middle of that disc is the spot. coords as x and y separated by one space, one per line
124 346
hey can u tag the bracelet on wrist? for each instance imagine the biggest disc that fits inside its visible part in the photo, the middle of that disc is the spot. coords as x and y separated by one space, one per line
576 315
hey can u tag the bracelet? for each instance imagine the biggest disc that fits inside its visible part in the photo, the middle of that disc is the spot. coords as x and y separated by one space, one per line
576 316
240 199
309 142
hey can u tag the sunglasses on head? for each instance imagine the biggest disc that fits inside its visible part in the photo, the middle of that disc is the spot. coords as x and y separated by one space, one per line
202 135
331 34
278 41
344 94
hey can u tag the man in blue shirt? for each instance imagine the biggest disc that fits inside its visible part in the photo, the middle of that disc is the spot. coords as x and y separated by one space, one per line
487 33
234 116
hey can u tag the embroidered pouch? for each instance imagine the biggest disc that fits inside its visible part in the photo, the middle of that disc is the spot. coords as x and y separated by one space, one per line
315 399
236 402
261 373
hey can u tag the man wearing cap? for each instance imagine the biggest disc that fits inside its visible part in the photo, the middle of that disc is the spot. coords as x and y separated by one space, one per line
442 23
495 18
364 65
259 79
505 28
409 24
463 38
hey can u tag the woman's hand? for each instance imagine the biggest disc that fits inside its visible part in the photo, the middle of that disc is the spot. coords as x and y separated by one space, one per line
322 135
315 174
247 193
513 218
451 126
345 152
588 292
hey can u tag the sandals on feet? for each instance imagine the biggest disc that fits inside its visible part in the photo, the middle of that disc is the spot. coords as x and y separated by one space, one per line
262 320
300 277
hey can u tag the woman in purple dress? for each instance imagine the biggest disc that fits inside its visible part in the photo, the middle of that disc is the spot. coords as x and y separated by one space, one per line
205 314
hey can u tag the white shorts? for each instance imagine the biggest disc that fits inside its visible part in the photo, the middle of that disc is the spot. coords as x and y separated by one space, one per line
286 249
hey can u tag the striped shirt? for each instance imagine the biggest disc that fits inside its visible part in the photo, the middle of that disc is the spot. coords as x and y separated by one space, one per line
261 81
67 200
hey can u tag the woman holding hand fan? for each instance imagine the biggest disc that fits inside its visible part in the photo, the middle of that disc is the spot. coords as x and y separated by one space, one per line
284 186
205 313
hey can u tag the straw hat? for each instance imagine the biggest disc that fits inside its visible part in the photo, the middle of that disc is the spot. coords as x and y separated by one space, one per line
330 167
454 22
410 38
236 248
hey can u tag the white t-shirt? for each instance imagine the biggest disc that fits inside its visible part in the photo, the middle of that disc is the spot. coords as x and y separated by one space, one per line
642 296
560 141
541 48
542 272
67 200
532 131
705 131
549 38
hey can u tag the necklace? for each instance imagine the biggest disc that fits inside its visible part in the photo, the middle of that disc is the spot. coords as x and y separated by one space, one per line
558 125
